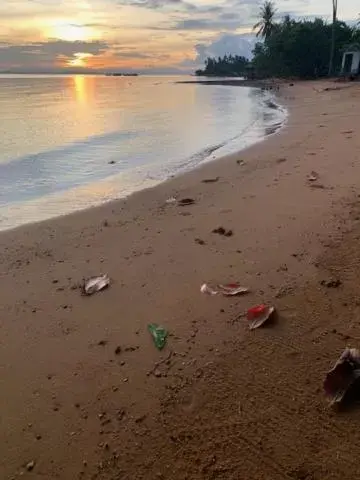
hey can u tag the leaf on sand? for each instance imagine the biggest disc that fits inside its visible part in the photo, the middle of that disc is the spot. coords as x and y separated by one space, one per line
95 284
158 334
210 180
228 290
232 289
258 315
343 375
313 177
186 201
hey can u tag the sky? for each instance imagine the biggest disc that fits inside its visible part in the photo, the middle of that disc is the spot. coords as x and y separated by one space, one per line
157 36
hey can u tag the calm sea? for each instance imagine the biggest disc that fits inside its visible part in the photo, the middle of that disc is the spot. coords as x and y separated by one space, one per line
71 142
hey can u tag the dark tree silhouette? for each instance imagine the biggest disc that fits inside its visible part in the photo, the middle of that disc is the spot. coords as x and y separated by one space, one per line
333 36
265 26
227 66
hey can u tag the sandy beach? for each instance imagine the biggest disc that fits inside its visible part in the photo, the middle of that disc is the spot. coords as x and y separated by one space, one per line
220 401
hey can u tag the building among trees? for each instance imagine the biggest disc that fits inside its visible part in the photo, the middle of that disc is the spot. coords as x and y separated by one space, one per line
351 60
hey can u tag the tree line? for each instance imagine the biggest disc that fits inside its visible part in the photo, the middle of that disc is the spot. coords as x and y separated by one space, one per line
227 66
290 48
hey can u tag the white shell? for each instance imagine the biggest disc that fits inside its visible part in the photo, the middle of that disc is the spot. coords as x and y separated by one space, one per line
95 284
207 290
230 291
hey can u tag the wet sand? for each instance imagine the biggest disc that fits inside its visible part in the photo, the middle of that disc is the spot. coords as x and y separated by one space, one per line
219 401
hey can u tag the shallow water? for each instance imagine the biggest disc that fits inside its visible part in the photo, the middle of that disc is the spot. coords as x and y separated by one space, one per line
71 142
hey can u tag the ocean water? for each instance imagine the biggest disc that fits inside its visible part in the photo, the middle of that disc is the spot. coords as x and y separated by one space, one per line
72 142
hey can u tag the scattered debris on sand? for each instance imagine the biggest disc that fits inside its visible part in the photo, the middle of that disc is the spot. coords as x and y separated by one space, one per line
313 177
343 376
232 289
95 284
30 466
210 180
331 283
186 201
228 290
206 289
199 241
222 231
258 315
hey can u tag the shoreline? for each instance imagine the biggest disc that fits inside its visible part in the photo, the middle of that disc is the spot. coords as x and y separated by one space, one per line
78 409
266 84
24 210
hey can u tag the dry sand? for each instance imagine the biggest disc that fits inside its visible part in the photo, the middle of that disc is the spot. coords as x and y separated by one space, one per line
225 403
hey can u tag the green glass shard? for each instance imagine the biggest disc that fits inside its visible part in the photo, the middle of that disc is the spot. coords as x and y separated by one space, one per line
159 335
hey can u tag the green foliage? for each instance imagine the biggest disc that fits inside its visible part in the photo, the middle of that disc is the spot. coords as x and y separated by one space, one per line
265 25
301 48
227 66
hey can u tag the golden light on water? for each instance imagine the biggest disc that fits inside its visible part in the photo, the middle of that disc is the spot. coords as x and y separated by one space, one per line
83 87
80 88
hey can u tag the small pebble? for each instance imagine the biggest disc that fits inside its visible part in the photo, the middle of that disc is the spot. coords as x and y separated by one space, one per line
30 466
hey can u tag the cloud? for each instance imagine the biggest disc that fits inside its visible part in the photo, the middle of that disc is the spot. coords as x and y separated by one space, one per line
207 24
137 33
45 54
129 53
226 43
160 4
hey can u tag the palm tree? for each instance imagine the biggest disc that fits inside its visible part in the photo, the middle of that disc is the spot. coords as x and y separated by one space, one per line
332 49
265 25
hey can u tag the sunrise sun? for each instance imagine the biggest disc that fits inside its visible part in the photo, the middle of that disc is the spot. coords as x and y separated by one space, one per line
71 32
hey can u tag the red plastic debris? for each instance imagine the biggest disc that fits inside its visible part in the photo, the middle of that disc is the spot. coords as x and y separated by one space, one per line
258 315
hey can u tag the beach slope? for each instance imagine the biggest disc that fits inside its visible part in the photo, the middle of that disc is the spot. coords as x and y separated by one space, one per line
85 393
